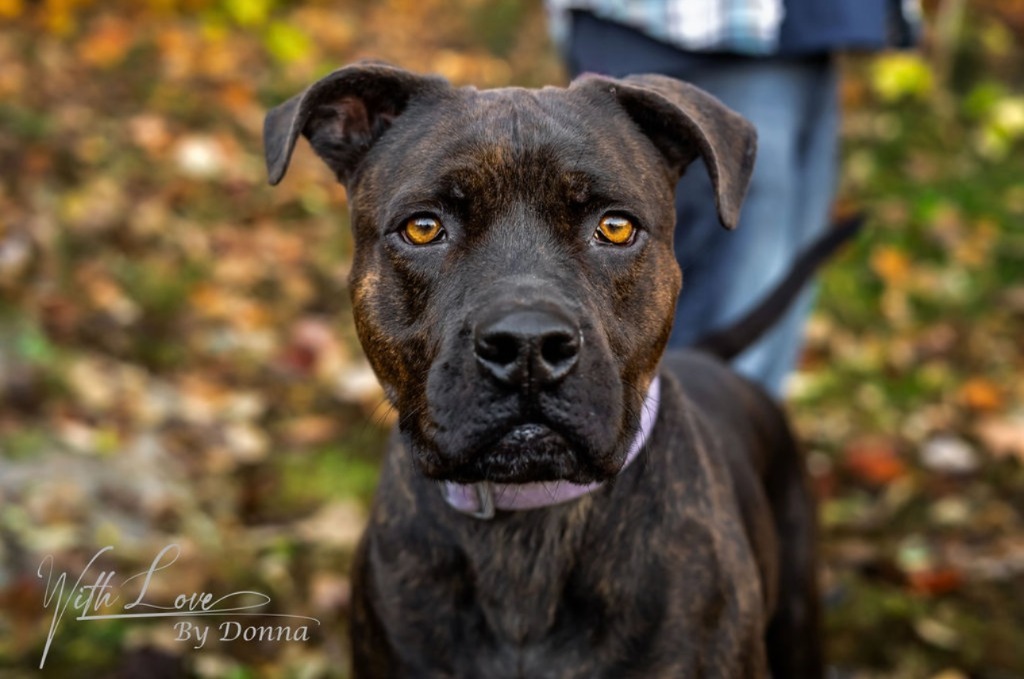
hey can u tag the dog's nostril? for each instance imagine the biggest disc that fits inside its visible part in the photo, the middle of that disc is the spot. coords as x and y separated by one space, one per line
559 347
498 348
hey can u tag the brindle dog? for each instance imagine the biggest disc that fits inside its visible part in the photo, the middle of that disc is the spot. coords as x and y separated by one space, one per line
514 286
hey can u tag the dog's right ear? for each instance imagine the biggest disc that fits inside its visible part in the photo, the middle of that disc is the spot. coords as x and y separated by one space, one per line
342 115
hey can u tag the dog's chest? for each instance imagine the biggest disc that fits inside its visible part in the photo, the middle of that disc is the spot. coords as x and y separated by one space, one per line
512 561
542 599
509 598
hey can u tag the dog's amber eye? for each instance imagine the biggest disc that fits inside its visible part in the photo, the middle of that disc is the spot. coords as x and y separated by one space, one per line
615 230
423 230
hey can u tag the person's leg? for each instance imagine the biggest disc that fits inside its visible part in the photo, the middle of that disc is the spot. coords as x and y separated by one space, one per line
775 356
792 104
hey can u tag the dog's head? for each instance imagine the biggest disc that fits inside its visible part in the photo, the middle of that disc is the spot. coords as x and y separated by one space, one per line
514 282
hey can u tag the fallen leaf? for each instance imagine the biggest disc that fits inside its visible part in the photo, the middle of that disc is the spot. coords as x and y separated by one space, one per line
901 75
1013 297
979 393
11 9
937 634
950 674
948 454
200 157
874 460
951 511
247 442
329 592
358 383
309 430
1002 436
108 43
891 264
338 524
935 581
149 131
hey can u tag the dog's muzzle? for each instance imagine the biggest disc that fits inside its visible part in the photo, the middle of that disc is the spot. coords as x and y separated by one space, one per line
482 499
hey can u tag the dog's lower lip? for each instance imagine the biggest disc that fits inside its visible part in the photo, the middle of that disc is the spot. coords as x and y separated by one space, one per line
524 434
526 452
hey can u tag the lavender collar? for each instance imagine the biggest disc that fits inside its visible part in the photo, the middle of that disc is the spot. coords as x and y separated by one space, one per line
482 499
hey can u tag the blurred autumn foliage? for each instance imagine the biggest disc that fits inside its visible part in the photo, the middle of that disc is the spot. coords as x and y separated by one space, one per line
178 364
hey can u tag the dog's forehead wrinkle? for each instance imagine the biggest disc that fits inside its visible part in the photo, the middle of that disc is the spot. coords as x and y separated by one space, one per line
516 143
524 119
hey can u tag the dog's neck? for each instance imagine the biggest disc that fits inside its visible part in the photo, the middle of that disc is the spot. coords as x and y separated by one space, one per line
482 499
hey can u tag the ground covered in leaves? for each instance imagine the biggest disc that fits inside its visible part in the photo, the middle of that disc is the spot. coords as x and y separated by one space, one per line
178 364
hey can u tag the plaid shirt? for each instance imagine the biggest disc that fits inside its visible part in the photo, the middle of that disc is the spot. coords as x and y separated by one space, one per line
748 26
744 26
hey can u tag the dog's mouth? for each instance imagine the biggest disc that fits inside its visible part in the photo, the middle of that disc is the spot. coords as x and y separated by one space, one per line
525 453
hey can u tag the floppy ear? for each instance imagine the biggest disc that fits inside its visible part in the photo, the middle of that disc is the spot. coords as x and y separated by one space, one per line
685 122
341 115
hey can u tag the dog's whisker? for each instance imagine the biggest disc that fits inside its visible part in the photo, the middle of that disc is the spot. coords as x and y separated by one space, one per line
388 407
410 415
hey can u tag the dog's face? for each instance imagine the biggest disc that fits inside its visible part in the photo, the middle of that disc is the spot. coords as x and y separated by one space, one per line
514 281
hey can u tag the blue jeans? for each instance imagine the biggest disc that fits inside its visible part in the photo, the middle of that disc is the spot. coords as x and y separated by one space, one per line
793 104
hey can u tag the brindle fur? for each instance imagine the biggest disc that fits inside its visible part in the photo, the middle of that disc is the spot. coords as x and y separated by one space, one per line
697 560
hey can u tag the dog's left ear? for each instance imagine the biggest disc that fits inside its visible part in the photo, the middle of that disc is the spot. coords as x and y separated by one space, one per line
685 122
342 115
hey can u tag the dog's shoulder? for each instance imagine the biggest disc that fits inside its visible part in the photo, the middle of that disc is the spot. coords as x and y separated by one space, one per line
710 382
732 406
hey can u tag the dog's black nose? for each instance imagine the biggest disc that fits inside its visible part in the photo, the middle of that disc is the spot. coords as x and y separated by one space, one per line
530 347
